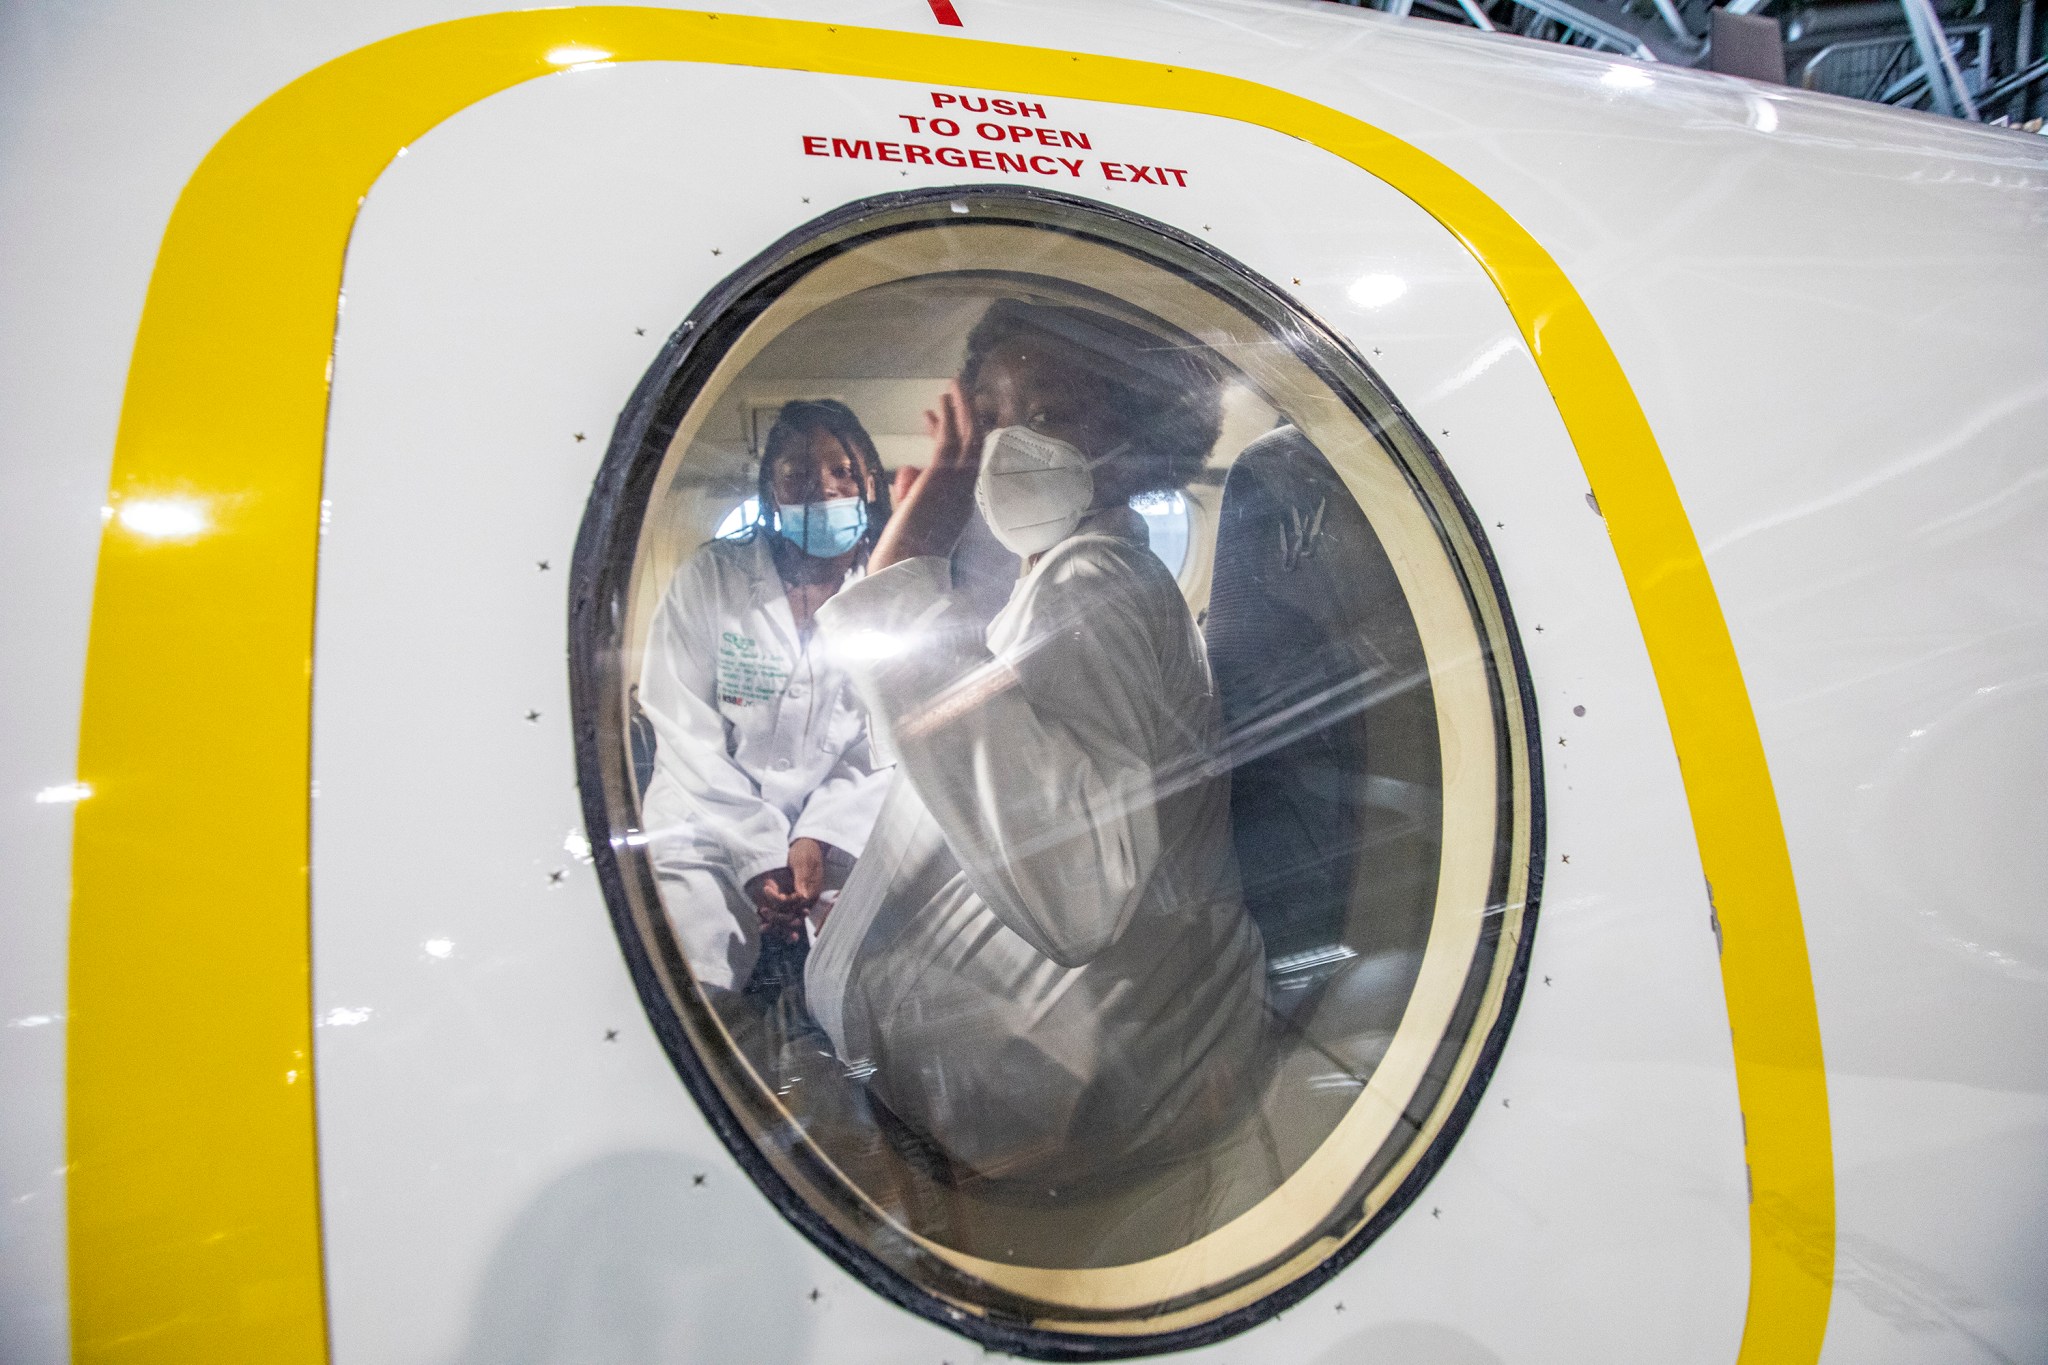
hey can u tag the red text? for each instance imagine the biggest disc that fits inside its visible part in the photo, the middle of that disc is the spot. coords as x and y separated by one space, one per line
917 154
982 104
1125 172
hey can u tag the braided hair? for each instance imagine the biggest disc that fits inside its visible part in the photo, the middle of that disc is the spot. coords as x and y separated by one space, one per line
794 426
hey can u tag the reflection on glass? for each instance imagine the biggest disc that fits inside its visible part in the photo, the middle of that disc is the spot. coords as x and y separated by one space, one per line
1043 745
763 785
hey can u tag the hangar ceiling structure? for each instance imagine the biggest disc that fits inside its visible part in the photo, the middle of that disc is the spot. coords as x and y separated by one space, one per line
1971 59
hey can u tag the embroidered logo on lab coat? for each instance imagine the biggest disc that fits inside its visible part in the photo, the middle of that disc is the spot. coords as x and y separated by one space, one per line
747 674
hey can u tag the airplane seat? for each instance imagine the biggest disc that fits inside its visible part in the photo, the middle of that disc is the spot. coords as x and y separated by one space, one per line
1309 640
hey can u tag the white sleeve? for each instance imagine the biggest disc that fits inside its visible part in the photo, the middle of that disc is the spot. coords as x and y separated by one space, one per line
841 810
701 807
1034 765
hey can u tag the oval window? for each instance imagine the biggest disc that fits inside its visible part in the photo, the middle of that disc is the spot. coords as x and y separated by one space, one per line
1073 831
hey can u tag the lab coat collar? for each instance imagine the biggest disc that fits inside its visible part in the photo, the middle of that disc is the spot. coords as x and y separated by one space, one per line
761 570
771 595
1119 521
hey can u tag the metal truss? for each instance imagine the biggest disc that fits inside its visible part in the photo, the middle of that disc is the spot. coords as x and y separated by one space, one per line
1968 59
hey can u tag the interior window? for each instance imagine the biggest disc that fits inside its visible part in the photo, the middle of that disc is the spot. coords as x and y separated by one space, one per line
1166 526
1066 797
738 519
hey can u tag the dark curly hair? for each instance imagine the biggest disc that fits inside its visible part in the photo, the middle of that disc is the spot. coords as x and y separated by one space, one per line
794 425
1166 398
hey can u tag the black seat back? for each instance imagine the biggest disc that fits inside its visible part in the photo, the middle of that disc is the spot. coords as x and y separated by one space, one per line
1330 725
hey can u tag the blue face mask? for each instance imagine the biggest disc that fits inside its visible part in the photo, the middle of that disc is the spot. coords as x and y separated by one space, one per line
823 530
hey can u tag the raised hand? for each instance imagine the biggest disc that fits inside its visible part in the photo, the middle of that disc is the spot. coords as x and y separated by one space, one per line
933 504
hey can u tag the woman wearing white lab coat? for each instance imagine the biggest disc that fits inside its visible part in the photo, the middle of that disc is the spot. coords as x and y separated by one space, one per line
764 785
1043 954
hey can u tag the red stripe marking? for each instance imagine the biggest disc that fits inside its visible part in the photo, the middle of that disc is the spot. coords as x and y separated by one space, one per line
943 11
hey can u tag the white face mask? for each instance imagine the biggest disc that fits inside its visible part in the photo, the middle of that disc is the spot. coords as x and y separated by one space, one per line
1033 489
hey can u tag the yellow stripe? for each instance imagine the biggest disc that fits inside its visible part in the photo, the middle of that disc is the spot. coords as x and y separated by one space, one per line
193 1185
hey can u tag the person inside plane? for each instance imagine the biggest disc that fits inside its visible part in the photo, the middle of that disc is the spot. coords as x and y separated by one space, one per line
764 783
1044 955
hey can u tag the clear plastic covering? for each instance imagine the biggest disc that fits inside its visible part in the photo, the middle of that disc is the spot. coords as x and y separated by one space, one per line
1068 800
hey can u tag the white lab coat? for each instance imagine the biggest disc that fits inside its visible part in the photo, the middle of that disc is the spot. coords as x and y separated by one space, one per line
759 740
1043 953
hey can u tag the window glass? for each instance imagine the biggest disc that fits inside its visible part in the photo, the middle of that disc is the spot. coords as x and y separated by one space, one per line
1076 841
738 519
1166 526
